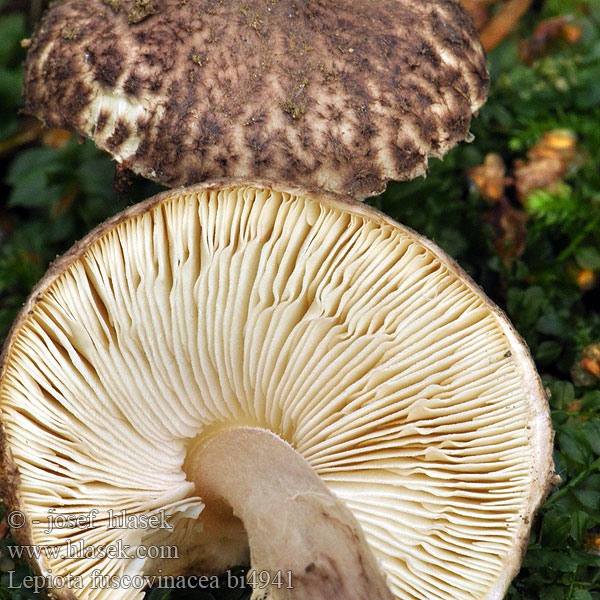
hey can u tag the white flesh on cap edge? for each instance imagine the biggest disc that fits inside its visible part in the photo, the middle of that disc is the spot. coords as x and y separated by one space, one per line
210 311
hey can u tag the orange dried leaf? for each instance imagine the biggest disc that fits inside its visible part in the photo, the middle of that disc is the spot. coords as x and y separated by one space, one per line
29 132
490 178
591 366
575 406
560 143
572 33
30 257
580 376
586 279
592 351
591 359
549 159
56 138
591 543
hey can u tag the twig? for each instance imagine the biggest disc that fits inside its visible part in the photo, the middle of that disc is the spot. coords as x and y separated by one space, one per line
503 22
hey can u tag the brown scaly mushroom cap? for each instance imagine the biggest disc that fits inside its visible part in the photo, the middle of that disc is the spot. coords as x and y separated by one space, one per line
341 95
296 381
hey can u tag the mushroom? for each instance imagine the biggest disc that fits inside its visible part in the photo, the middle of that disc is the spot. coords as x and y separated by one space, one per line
340 95
276 375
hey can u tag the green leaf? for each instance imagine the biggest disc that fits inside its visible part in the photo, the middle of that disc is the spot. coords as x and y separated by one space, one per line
34 191
551 324
96 177
556 528
12 31
574 445
562 394
551 593
591 430
588 257
579 525
529 304
581 595
589 498
35 160
591 401
548 351
10 88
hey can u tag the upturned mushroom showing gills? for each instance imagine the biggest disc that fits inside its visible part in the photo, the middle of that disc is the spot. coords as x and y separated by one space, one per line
339 95
289 380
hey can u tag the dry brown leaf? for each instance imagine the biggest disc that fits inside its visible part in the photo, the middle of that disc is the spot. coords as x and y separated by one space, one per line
510 229
586 370
545 33
548 161
490 178
541 173
56 138
591 359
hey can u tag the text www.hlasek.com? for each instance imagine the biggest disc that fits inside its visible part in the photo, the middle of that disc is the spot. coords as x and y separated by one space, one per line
116 550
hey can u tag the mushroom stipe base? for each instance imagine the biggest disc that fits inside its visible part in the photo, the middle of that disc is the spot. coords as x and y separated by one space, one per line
294 523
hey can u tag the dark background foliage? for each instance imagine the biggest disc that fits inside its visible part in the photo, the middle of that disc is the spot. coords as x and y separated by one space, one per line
529 235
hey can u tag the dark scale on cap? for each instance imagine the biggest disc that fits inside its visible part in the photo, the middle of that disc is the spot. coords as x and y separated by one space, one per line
132 85
337 149
259 149
102 121
209 131
119 136
108 65
305 92
407 155
76 99
62 71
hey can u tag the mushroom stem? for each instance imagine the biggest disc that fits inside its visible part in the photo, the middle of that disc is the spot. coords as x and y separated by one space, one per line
299 532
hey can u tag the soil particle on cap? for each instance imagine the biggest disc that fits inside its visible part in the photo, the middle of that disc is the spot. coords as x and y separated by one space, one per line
199 59
293 109
70 32
253 21
140 11
114 4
